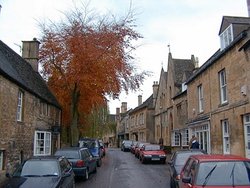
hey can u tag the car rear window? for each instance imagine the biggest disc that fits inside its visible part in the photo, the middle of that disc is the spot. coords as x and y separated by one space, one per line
39 168
234 173
181 158
88 144
70 154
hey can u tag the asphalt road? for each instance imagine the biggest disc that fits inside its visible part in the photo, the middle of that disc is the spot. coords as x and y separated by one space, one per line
122 170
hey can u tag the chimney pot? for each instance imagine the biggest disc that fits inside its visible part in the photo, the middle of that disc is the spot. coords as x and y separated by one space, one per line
30 52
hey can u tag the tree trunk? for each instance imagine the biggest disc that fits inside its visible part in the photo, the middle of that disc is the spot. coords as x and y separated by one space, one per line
74 116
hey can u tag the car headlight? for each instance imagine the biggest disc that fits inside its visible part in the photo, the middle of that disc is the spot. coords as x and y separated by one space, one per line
147 155
163 155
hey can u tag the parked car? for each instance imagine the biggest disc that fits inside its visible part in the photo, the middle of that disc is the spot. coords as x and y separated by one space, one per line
94 147
138 148
152 153
213 171
126 145
177 162
133 146
41 172
83 162
103 148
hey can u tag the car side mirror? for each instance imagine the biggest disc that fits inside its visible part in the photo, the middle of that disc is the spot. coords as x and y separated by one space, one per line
186 179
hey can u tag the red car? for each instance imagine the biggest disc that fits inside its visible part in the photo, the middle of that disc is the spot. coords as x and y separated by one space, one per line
215 171
152 153
138 148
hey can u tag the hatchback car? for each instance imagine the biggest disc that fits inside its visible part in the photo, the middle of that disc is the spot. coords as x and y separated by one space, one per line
41 172
176 163
216 171
94 147
138 147
126 145
83 162
133 146
152 153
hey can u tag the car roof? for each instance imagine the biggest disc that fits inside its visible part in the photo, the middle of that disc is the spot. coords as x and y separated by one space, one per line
189 151
71 148
44 158
218 157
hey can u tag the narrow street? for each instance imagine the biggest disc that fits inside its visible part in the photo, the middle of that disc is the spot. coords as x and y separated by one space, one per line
123 170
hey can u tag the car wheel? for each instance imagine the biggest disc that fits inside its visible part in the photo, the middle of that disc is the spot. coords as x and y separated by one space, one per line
86 174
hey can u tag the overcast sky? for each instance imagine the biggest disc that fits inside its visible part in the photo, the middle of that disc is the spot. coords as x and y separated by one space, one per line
189 26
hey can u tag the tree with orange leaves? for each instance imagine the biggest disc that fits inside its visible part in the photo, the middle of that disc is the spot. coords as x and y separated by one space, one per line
86 58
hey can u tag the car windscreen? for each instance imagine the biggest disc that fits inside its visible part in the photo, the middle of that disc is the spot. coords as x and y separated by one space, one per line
70 154
152 147
38 168
229 173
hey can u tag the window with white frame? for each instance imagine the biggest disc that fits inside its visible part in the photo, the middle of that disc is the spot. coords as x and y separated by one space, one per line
226 137
184 137
176 138
200 98
226 37
42 143
19 114
223 86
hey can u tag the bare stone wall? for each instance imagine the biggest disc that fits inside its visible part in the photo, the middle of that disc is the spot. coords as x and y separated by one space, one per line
17 138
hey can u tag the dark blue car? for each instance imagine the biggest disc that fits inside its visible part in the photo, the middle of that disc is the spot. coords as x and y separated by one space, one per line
83 162
94 147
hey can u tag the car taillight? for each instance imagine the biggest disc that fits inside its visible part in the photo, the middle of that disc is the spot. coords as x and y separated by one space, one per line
178 177
80 163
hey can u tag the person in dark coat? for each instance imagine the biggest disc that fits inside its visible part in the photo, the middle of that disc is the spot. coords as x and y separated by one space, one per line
194 144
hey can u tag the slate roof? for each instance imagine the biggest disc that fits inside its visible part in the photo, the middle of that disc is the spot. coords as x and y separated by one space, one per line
181 67
146 104
227 20
16 69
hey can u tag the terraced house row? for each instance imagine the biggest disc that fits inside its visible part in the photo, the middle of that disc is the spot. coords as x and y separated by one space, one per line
30 115
210 101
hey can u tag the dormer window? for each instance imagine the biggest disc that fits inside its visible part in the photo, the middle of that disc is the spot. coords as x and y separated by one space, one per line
226 37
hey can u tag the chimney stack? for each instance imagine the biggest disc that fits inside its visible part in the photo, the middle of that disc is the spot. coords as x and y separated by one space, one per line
155 90
139 100
30 52
124 107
